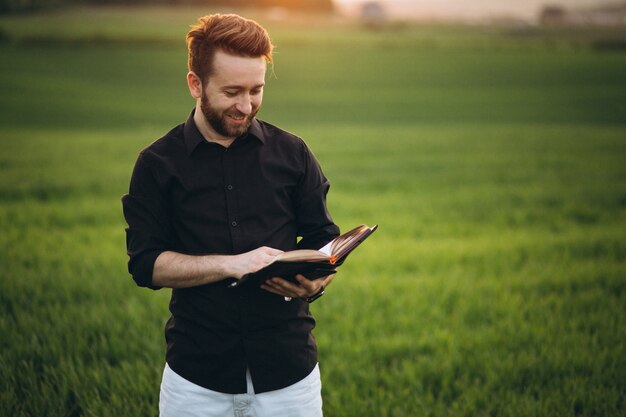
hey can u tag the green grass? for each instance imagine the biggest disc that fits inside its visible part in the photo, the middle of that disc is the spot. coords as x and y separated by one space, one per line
494 164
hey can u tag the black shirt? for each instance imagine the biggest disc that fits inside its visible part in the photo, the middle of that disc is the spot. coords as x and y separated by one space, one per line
196 197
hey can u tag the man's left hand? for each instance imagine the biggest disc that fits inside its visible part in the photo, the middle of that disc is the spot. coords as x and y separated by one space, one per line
307 288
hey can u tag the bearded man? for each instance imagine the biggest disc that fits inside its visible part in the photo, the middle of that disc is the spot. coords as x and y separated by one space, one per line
216 198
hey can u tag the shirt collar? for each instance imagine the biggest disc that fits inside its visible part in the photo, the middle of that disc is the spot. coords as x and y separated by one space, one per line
193 137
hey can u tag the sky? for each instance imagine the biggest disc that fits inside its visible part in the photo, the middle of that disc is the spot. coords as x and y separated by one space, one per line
470 9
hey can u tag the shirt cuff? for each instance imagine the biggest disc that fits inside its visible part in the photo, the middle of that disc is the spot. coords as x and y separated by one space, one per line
141 268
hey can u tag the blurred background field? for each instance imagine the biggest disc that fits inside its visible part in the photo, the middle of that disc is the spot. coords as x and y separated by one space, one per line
493 158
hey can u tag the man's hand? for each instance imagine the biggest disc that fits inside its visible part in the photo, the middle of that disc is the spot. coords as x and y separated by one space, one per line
306 288
252 261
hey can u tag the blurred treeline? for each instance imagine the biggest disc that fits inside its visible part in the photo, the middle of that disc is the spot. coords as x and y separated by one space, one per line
21 6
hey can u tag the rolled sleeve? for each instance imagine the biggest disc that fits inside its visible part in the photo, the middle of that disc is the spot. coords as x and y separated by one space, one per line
148 232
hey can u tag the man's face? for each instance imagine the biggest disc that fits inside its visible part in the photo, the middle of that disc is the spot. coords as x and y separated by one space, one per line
233 93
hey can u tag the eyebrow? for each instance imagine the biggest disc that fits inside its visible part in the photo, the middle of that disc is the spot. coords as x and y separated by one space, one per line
240 87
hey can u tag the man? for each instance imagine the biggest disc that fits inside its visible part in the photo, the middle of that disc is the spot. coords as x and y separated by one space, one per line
214 199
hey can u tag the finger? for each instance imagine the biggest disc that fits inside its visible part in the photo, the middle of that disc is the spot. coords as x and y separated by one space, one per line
277 290
311 286
305 282
273 290
284 285
328 280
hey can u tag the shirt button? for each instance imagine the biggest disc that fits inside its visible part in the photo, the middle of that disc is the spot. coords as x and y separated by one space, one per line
233 223
229 187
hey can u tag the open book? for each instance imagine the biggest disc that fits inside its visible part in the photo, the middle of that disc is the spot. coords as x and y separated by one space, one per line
311 263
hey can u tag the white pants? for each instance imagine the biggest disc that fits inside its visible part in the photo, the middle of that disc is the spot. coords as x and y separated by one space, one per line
181 398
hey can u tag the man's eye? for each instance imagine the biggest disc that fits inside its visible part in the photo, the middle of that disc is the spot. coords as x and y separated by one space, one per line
256 92
230 93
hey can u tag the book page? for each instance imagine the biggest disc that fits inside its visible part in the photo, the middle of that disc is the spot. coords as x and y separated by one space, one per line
302 255
327 249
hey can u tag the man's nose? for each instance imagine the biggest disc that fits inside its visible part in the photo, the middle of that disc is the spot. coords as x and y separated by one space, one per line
244 104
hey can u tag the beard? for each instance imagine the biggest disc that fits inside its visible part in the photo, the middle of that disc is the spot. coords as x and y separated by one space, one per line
219 120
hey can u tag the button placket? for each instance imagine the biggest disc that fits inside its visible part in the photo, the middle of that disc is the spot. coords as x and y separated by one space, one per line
229 190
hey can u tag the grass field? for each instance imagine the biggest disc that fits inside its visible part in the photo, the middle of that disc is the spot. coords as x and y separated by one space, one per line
494 162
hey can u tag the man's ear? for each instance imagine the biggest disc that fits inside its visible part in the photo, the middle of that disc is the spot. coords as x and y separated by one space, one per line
195 85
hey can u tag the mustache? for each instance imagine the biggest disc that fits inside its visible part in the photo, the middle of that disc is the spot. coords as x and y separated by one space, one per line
237 113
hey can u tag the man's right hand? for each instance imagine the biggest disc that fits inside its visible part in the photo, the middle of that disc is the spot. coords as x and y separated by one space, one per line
252 261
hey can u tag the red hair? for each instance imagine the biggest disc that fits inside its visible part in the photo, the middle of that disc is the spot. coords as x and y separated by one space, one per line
227 32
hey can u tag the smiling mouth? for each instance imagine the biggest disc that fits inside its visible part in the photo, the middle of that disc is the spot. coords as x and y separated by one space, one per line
237 118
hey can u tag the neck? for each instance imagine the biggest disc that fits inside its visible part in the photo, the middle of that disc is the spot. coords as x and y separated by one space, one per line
207 131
